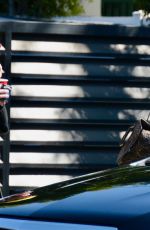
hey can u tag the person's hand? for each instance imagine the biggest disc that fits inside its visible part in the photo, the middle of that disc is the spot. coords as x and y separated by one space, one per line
4 95
4 90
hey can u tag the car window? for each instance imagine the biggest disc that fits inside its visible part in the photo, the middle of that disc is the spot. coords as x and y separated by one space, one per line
17 224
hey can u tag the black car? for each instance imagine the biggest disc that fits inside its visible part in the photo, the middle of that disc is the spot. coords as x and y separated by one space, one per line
107 200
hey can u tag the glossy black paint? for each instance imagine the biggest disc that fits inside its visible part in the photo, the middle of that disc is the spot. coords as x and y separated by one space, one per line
119 197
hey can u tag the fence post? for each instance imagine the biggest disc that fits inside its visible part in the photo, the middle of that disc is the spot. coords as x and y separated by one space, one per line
6 143
10 8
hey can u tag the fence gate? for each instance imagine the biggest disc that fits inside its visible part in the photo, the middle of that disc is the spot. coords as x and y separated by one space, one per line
117 7
76 89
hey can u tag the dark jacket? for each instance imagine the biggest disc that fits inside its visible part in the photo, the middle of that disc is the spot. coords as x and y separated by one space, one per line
4 127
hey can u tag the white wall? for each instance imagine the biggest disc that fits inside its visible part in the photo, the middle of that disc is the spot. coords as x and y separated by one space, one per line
92 8
136 19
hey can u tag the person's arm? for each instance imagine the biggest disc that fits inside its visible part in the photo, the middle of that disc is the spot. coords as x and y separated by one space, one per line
4 127
4 96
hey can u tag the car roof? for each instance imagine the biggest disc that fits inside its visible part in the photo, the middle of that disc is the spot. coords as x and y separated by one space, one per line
112 197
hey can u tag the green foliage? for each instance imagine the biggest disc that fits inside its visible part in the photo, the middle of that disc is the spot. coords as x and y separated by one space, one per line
142 5
48 8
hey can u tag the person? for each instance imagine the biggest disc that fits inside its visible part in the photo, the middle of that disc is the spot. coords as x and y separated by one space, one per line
4 96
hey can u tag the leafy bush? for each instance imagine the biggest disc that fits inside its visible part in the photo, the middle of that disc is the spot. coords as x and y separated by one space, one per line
47 8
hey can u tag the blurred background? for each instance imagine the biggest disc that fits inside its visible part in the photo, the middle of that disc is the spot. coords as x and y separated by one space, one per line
50 8
76 87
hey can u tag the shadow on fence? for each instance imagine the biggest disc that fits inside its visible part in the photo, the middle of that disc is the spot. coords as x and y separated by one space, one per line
76 89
